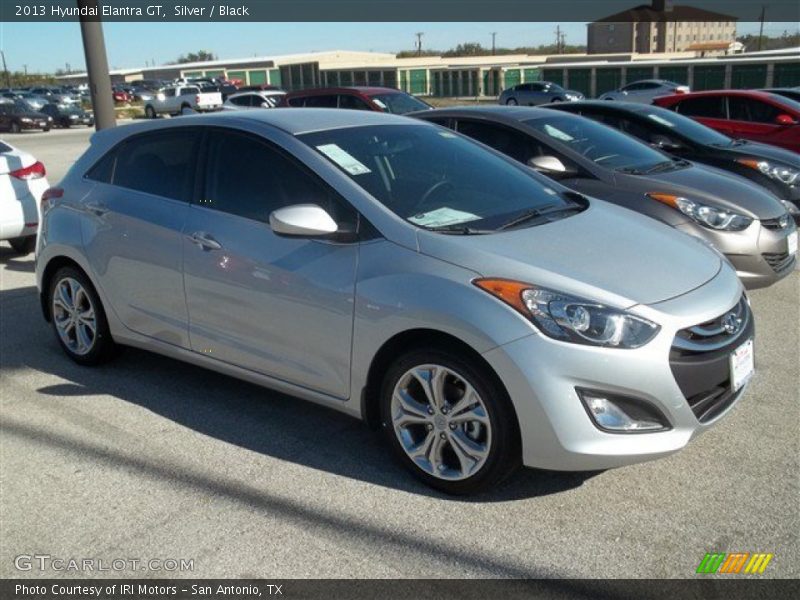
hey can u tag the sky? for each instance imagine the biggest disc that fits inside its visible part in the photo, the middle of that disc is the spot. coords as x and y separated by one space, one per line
45 47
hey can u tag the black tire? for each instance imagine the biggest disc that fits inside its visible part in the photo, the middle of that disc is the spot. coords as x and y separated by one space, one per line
103 348
150 112
184 108
15 128
46 129
511 102
556 99
23 245
504 455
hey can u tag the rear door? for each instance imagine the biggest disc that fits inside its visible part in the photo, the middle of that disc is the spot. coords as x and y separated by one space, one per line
281 306
133 229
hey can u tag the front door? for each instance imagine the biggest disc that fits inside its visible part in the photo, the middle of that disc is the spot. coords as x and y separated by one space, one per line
281 306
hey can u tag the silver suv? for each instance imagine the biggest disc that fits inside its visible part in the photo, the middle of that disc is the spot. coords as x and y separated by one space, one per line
480 314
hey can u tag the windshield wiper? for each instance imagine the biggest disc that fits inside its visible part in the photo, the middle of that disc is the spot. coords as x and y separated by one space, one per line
536 213
667 165
459 230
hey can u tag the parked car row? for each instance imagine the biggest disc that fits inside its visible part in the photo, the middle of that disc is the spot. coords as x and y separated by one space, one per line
491 287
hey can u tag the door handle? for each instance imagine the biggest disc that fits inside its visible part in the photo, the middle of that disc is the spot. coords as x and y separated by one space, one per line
97 208
205 240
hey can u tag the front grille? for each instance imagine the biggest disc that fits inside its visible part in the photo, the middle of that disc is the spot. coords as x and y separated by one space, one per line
776 224
700 360
712 335
779 261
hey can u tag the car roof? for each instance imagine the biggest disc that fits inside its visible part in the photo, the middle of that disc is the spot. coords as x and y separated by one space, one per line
350 88
628 107
294 121
508 114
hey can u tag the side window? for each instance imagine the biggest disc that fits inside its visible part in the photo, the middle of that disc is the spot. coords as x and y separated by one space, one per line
443 121
747 109
511 143
241 101
712 107
321 102
296 101
103 170
159 163
633 128
266 181
169 93
352 102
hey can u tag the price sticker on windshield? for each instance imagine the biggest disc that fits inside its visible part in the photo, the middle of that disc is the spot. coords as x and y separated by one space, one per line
344 159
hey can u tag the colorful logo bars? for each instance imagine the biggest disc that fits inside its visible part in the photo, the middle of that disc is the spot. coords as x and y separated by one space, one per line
734 563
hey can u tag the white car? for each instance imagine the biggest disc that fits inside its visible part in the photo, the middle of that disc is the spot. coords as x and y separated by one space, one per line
246 100
645 90
182 99
22 183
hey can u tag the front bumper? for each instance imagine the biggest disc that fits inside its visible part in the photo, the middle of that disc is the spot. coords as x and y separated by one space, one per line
541 376
759 254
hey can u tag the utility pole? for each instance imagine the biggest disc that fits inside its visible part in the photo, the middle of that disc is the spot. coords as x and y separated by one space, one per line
5 69
560 35
494 34
419 35
94 47
761 28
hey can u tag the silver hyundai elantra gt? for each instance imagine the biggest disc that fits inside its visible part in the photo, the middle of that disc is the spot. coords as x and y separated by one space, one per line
481 315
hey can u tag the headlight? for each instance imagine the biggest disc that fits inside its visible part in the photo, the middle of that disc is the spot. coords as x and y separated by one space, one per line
25 120
775 171
571 319
792 208
709 216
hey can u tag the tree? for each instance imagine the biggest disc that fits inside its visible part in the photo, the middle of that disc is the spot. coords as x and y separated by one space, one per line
199 56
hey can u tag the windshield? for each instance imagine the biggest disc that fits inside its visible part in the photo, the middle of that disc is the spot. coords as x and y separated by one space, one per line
599 143
435 178
399 104
686 127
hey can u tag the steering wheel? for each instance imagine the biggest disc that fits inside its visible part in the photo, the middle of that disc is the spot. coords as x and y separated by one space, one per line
434 189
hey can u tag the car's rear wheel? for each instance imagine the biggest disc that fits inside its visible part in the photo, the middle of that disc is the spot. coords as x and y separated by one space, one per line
449 421
511 102
23 245
149 112
78 318
186 110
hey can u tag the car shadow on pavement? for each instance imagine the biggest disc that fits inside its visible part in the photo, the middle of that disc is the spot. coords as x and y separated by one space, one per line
12 261
237 412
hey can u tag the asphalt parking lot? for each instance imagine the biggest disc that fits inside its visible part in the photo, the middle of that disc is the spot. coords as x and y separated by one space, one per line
149 458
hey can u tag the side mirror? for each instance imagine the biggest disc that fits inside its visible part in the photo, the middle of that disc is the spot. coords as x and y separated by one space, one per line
665 143
550 165
303 220
784 119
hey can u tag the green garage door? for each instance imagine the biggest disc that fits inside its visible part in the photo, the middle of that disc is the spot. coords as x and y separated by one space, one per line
512 78
708 77
418 81
240 75
608 80
275 77
636 73
257 77
579 79
748 76
532 75
437 83
554 75
215 73
676 74
192 74
787 74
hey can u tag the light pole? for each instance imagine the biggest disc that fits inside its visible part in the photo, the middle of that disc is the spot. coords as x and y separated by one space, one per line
94 48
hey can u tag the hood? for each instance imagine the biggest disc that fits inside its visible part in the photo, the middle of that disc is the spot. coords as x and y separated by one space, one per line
719 188
757 150
606 253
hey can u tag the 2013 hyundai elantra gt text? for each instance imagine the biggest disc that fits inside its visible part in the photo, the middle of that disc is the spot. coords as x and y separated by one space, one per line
481 315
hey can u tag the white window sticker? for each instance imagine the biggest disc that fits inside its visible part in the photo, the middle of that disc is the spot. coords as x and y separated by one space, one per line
379 103
662 120
343 159
558 134
442 217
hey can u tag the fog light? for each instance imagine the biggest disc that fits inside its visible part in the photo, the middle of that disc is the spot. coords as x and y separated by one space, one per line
618 414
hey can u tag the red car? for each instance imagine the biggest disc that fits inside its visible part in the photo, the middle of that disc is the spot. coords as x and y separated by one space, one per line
378 99
746 114
121 96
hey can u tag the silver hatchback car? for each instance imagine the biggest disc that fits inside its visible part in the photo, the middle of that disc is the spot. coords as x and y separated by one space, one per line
480 314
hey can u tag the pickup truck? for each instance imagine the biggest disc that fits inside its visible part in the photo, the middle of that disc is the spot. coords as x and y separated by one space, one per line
182 99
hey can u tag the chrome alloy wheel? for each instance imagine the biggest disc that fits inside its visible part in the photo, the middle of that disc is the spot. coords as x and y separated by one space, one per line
441 422
74 316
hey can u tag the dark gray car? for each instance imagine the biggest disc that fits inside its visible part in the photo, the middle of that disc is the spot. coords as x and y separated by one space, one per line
537 92
742 220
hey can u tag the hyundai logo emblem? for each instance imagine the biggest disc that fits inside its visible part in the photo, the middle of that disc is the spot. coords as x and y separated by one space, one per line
731 323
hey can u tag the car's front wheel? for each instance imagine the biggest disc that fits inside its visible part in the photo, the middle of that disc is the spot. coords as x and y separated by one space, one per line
78 318
449 421
23 245
149 112
511 102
